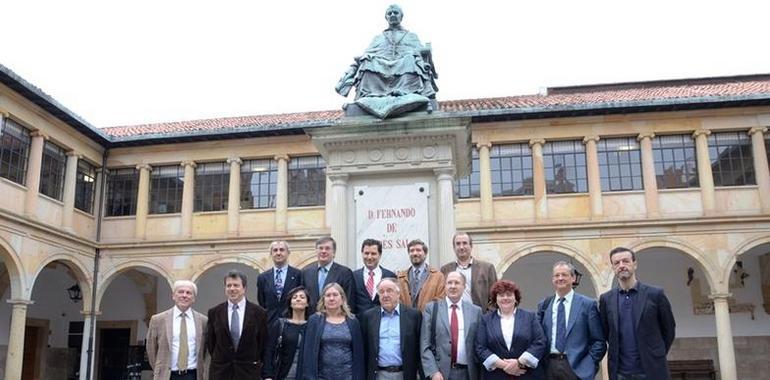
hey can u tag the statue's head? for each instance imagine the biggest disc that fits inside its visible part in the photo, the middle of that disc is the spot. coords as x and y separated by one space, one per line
394 15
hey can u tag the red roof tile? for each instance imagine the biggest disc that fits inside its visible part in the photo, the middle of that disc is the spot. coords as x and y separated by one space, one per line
559 97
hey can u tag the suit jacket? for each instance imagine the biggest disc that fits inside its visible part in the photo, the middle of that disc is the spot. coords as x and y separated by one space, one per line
432 288
338 273
655 326
309 354
527 336
159 336
245 363
362 300
409 320
266 291
441 361
585 338
483 275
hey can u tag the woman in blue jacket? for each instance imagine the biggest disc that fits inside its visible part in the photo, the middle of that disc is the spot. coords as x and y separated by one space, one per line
333 347
509 340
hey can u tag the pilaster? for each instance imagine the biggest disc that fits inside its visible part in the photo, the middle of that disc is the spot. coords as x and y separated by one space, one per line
234 196
282 193
33 173
485 183
594 177
705 176
649 177
142 200
68 196
538 179
761 170
188 198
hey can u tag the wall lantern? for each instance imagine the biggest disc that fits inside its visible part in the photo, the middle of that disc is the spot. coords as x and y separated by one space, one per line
75 293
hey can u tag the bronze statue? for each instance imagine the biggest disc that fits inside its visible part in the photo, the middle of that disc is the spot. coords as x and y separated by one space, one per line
395 74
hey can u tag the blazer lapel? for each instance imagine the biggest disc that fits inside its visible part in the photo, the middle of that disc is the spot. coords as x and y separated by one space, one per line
332 275
170 327
577 304
547 319
443 317
517 324
475 277
612 309
497 331
639 301
198 330
466 319
271 282
313 285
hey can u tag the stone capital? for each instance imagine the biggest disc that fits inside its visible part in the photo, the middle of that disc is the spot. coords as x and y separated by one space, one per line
192 164
443 174
281 156
39 133
16 302
591 138
75 154
720 296
645 135
144 167
699 132
484 144
760 130
87 313
533 142
237 160
339 179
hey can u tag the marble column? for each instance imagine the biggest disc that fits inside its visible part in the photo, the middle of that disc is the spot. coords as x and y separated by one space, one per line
726 351
87 331
339 216
188 198
485 183
649 177
761 170
538 179
142 200
33 173
446 216
234 196
594 176
15 356
282 193
705 177
68 196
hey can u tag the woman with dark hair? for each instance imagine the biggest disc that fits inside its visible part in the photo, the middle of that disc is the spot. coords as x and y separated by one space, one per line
285 337
333 347
509 341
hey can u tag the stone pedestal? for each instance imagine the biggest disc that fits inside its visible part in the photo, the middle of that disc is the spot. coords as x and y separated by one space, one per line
427 151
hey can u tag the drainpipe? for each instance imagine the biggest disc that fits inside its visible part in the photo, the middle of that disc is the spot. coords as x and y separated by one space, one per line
97 256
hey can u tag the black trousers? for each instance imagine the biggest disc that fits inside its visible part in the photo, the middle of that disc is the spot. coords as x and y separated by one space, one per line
558 368
188 375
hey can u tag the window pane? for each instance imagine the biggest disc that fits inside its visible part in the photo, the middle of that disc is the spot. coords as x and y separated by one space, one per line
464 187
14 151
307 181
85 185
732 162
122 185
212 183
563 160
514 175
258 183
52 169
166 186
675 162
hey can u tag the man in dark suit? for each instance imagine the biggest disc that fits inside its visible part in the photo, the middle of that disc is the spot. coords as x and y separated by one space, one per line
367 277
236 333
391 337
638 323
325 271
273 285
573 331
479 274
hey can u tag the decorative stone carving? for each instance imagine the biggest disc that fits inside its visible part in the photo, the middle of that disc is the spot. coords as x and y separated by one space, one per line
704 305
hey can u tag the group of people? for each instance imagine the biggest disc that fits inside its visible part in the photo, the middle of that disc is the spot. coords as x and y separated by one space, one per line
455 322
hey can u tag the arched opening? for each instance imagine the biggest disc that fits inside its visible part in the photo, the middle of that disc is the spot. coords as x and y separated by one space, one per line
533 272
10 288
54 326
211 284
129 296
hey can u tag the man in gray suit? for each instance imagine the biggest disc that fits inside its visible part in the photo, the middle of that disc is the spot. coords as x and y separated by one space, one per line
479 274
175 338
447 337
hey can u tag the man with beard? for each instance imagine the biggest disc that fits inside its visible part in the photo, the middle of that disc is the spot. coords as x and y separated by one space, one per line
638 323
480 275
420 283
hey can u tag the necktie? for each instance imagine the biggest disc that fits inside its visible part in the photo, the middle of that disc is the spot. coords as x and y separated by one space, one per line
561 327
454 328
321 279
181 363
235 327
370 284
415 284
278 283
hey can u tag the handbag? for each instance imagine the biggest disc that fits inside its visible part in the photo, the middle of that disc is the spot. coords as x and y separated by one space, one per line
278 346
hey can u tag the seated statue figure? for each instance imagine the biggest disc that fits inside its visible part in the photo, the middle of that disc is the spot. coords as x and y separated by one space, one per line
394 75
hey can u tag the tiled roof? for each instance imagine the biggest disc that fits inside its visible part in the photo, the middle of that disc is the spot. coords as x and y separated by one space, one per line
607 96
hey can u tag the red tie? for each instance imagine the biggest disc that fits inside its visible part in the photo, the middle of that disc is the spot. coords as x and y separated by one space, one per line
370 284
454 328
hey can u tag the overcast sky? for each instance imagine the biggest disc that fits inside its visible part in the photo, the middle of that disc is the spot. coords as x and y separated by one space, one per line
134 62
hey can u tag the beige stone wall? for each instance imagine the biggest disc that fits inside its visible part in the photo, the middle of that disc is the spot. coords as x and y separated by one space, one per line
751 354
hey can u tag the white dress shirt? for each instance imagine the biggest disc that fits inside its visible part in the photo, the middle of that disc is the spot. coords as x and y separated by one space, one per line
461 355
507 324
377 278
191 348
554 314
466 271
241 307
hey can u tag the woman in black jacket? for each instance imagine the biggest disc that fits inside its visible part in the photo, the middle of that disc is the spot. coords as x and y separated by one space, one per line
286 337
